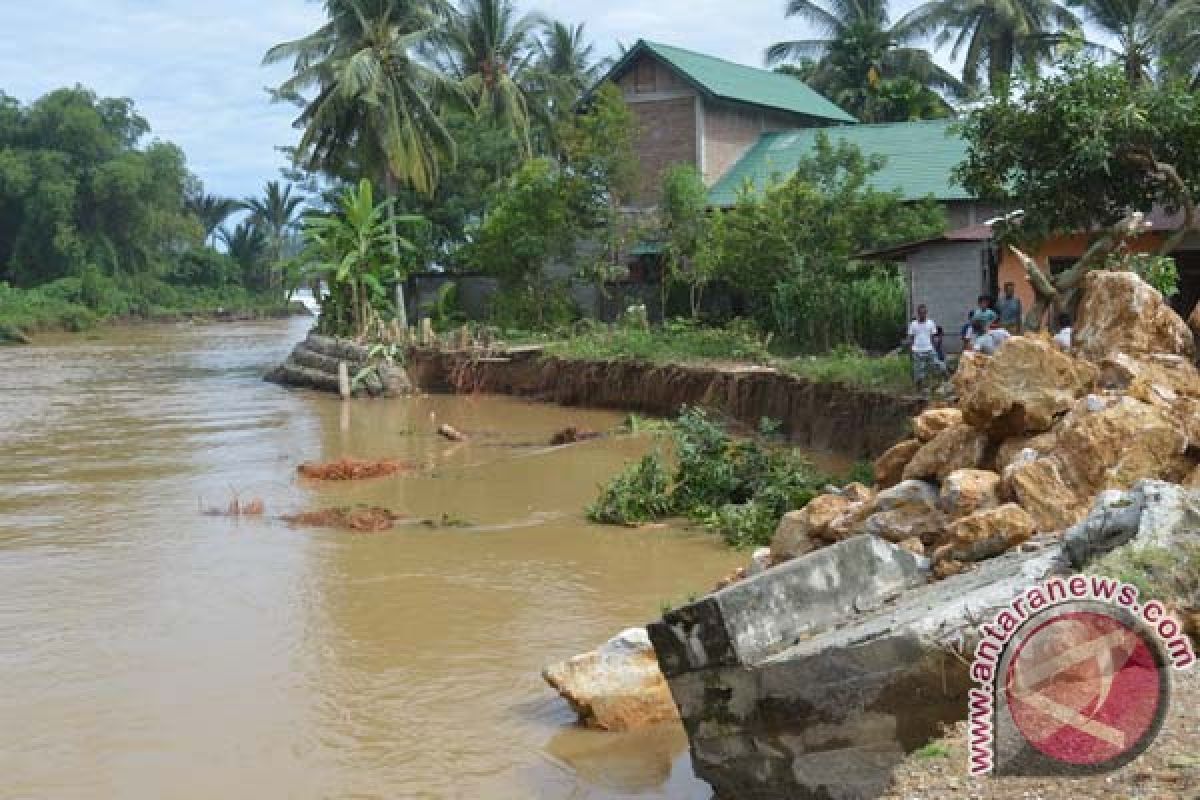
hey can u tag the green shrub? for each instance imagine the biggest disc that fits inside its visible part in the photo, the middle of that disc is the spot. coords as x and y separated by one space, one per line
739 488
853 367
638 495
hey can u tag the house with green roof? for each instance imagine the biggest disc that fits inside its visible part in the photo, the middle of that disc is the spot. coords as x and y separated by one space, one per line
742 127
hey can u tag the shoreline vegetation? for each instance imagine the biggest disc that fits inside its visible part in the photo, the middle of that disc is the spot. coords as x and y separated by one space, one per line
59 307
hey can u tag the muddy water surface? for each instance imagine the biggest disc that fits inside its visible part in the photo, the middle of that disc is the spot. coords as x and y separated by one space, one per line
149 651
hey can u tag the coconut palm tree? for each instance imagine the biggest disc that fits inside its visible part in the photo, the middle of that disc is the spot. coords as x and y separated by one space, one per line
373 103
1138 28
212 210
998 37
487 46
564 68
276 215
1180 29
856 51
247 245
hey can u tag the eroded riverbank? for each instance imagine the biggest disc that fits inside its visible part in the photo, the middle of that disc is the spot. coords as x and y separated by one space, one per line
151 650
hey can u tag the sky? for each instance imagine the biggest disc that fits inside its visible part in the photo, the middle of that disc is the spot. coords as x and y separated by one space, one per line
194 68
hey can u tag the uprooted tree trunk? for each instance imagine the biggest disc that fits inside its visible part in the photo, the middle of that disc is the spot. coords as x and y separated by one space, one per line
1060 293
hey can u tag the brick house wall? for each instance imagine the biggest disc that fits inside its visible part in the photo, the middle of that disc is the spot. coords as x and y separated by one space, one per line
665 108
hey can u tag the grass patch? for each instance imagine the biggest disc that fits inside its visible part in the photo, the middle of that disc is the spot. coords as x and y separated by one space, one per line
854 368
933 750
676 342
1158 573
75 304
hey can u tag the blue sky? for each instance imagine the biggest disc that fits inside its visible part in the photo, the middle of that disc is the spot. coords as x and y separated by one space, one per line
193 68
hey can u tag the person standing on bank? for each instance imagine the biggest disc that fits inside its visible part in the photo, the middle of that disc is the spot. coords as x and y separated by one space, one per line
1010 310
921 334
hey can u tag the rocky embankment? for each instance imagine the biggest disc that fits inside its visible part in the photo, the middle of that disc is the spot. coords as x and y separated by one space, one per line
316 362
858 423
847 645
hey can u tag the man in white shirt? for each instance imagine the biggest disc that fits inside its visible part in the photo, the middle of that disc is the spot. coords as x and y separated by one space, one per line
924 355
1063 337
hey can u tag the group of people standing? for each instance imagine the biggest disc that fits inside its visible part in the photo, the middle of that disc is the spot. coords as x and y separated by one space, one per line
989 325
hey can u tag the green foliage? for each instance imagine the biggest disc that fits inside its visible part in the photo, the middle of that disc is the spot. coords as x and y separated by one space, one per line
1160 272
1171 576
358 254
739 488
791 251
1072 149
677 341
852 367
687 231
865 66
548 307
75 189
635 497
933 750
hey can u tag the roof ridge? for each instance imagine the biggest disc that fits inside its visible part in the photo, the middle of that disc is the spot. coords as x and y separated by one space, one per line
709 56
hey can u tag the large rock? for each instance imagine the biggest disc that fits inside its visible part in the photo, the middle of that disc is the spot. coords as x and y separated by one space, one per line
969 490
1040 488
914 495
1114 442
1023 388
1121 313
986 534
906 524
814 680
958 447
618 687
1043 444
929 424
802 531
889 468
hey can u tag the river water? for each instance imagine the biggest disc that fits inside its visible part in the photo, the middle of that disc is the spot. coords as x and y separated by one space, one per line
150 651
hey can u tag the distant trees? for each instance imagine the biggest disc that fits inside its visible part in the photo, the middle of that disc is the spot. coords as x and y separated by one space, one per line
76 190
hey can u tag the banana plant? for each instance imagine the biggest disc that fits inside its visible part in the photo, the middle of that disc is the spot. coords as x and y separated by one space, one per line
358 253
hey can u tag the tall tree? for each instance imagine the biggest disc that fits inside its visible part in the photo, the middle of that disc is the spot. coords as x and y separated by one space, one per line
373 109
565 67
276 214
1138 28
247 245
859 52
212 211
488 46
996 37
1181 35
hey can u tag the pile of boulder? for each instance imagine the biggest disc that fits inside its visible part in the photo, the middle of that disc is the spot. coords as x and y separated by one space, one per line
1036 434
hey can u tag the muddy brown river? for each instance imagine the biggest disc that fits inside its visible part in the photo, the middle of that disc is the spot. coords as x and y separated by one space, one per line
150 651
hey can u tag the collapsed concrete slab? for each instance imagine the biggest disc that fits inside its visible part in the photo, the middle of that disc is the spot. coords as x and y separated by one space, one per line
814 679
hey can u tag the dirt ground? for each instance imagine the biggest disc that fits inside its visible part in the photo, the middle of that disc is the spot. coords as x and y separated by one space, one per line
1169 770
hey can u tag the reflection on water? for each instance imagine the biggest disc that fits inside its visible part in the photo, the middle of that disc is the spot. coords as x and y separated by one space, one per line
148 651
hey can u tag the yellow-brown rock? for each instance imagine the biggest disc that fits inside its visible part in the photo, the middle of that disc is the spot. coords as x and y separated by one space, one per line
618 687
1022 388
889 467
792 538
1121 313
957 447
1114 442
1041 489
986 534
1043 443
969 490
929 424
908 523
849 523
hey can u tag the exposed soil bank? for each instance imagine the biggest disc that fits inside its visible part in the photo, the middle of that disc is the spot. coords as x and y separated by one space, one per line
857 423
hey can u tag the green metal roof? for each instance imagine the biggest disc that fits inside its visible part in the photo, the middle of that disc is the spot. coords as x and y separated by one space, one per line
921 157
739 83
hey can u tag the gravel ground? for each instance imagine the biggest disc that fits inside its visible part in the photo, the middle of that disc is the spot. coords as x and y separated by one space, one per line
1169 770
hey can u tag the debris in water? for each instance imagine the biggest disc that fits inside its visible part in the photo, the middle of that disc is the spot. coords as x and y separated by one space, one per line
236 508
573 435
354 469
359 519
451 433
